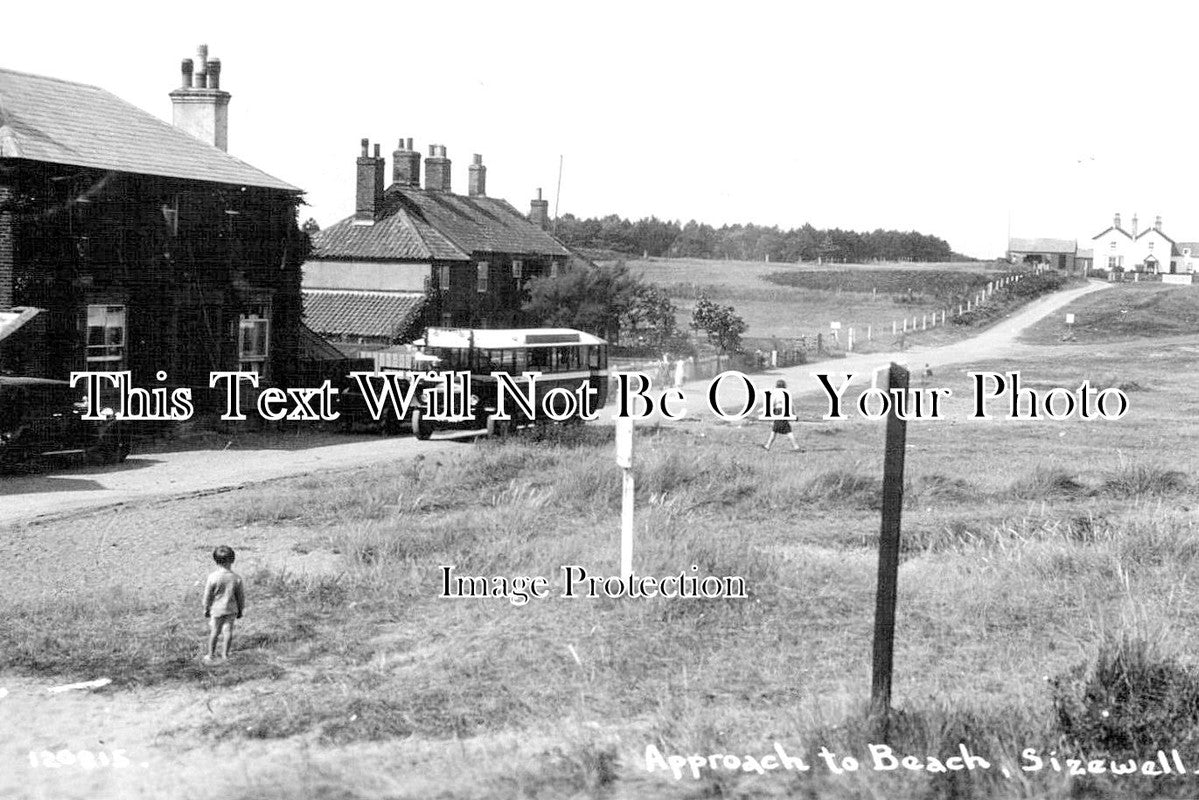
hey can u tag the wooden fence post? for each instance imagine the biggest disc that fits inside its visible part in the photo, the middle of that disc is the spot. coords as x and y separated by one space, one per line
888 553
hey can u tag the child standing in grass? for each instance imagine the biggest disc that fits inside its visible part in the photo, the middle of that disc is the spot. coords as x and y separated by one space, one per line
780 426
224 601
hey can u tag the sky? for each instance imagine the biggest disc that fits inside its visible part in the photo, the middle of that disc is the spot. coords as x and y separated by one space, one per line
962 120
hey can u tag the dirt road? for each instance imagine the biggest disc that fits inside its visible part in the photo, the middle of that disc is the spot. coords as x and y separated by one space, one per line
156 477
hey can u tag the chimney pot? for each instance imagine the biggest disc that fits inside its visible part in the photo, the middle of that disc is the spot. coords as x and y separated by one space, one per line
437 169
369 200
405 165
1157 223
1117 221
477 185
200 76
201 109
1134 226
539 212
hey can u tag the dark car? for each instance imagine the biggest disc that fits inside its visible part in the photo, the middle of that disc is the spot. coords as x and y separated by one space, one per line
41 417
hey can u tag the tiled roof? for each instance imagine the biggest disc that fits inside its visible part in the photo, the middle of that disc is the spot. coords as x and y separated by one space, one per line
55 121
396 236
1110 229
416 224
350 313
1086 254
1180 246
1042 245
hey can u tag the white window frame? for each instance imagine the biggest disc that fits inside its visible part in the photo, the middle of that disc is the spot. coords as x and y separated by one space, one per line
484 268
109 323
251 358
443 277
518 268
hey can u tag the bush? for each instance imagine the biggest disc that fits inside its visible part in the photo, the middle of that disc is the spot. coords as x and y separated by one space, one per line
1131 701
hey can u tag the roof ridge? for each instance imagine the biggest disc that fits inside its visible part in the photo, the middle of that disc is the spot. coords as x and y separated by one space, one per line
457 245
407 222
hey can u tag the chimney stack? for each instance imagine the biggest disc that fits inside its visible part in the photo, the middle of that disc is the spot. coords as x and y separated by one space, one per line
405 165
539 212
478 178
1157 224
1134 226
437 169
201 108
1117 222
369 201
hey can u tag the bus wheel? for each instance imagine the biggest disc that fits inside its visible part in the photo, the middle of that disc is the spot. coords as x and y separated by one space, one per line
420 428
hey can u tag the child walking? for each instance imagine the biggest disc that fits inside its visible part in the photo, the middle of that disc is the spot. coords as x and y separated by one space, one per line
780 425
224 601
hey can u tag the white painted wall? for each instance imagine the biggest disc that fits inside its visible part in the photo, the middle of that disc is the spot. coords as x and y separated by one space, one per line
365 275
1112 243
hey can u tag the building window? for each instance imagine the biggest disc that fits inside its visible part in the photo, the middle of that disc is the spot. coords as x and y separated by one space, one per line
1113 245
518 267
443 277
553 269
483 266
106 338
254 339
1151 245
447 319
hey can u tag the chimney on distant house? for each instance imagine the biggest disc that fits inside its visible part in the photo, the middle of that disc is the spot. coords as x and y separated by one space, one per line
1117 222
405 165
477 186
1157 224
1134 226
539 212
437 169
370 186
201 108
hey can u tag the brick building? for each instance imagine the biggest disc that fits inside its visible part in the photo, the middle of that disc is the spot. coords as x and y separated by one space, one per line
410 257
146 246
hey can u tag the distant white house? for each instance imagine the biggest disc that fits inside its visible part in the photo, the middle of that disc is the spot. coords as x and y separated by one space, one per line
1150 250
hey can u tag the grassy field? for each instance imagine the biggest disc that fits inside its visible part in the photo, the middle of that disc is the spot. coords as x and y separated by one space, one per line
1046 579
1127 311
790 301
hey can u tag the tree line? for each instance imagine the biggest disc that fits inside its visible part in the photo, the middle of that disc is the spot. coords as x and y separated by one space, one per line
656 237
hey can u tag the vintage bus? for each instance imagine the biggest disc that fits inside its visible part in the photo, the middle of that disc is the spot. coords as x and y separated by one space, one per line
565 361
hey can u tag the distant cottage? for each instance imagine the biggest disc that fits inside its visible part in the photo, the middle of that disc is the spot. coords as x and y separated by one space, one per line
147 247
1054 253
411 257
1150 250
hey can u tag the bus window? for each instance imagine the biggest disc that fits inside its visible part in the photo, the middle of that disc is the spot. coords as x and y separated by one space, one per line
539 359
594 354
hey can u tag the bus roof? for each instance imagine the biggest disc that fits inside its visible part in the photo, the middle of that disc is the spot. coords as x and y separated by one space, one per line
503 339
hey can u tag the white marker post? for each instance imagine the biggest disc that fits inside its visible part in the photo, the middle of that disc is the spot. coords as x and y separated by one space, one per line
1069 319
624 460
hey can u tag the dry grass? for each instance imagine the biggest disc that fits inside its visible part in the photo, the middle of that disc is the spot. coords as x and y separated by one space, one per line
1027 546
